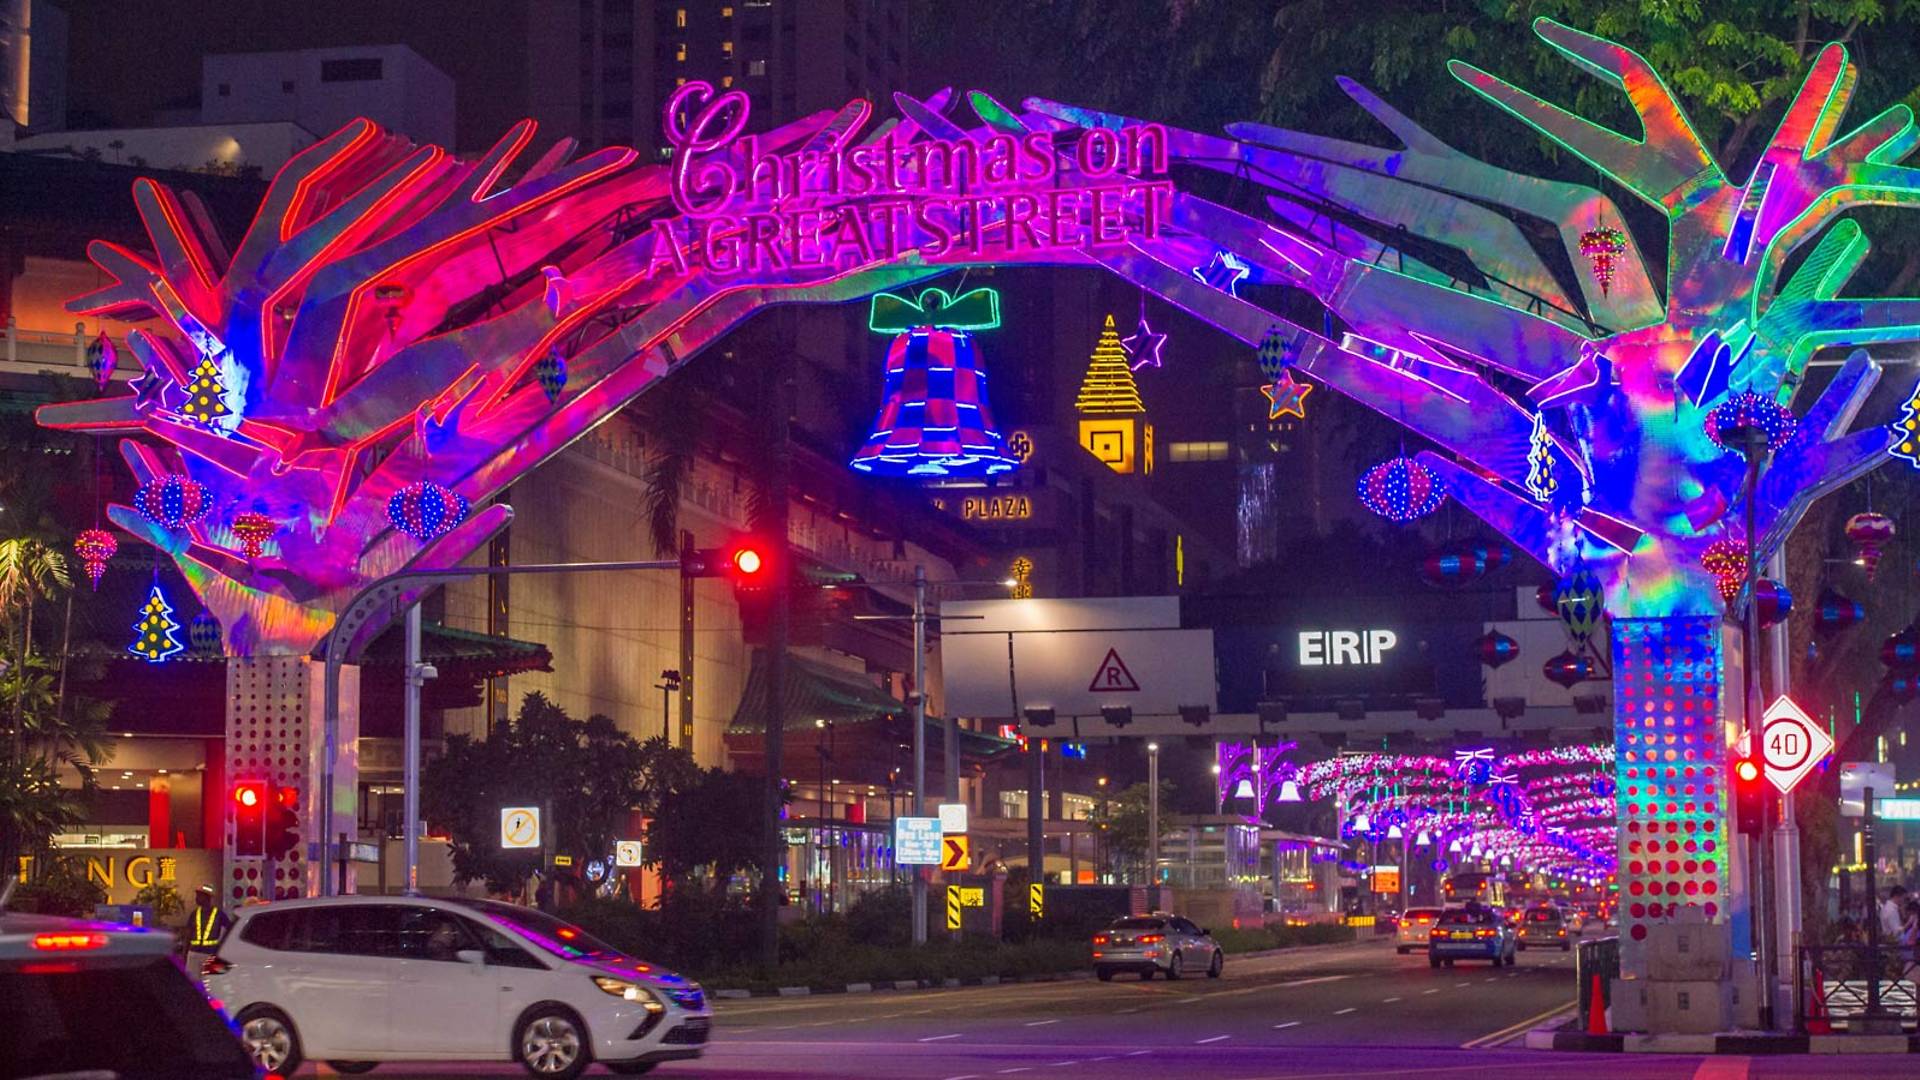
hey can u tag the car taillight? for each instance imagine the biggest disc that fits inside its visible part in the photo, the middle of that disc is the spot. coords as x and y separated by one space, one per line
213 965
1560 933
69 942
1424 920
1436 932
1099 939
1484 932
1150 939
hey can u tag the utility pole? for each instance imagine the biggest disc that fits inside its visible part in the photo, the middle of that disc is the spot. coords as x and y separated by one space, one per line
779 461
1153 821
919 742
415 676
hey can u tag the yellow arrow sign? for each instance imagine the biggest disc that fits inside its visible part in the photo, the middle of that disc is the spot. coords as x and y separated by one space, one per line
955 853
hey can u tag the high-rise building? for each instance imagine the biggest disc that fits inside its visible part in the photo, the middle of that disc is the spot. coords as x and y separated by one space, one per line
602 69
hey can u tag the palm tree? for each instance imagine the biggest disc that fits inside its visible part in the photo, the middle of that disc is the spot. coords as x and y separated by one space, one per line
30 571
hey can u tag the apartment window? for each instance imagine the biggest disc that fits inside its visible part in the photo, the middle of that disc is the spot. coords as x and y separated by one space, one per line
756 67
680 51
726 49
726 80
1197 451
680 19
726 13
357 69
286 86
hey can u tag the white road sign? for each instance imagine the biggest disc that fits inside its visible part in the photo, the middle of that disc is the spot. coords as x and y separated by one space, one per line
1074 656
1791 744
519 827
953 817
916 841
626 853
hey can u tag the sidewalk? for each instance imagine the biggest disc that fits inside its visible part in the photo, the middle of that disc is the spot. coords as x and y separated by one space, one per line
1567 1034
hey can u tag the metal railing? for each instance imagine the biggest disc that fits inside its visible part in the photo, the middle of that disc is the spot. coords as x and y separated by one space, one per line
1595 956
1844 983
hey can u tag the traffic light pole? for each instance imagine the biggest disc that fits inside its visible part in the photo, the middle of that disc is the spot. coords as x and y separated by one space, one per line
369 612
920 742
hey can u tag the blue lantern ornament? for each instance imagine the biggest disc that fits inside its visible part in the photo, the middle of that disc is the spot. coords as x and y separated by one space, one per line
934 420
551 371
425 510
1401 489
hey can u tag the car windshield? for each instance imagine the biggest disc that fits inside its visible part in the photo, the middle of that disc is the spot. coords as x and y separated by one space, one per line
1461 916
1138 924
134 1019
562 939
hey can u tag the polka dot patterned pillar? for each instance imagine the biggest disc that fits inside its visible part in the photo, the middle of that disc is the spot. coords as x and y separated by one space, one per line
275 734
1671 770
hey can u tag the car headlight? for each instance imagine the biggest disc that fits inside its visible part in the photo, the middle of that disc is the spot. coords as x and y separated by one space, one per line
630 991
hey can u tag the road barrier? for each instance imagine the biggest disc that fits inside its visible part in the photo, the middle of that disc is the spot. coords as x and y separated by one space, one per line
1596 957
1843 985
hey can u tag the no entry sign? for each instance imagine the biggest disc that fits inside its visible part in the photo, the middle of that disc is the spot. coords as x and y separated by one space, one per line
1791 744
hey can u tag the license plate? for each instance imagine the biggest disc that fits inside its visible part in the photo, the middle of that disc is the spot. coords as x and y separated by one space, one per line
1462 935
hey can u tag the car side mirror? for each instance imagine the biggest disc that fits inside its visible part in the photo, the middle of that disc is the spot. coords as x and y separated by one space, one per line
471 956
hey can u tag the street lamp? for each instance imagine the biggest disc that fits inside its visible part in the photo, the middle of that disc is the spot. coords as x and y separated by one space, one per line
1153 820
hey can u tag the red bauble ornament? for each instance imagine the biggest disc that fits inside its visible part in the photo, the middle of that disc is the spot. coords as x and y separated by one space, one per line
95 547
253 529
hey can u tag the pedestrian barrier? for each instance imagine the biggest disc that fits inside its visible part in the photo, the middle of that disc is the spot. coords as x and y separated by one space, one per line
1596 963
1841 985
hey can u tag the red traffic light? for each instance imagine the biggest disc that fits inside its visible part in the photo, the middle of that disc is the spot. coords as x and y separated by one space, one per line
748 561
1746 771
247 795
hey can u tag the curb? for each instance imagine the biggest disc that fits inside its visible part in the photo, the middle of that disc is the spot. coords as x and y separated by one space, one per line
1746 1043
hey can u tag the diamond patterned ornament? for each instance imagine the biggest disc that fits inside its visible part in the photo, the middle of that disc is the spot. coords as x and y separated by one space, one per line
203 635
1578 602
1273 354
102 358
551 371
95 547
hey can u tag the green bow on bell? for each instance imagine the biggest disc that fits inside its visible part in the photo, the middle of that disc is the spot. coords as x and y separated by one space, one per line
977 309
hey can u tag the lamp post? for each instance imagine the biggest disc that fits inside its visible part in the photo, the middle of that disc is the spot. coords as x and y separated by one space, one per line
669 682
1153 820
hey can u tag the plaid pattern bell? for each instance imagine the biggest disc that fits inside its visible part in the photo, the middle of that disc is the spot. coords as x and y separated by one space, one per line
934 419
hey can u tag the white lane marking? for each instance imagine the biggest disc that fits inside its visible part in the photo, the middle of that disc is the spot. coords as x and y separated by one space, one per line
1021 1068
1215 1039
938 1038
1463 984
1388 1001
1435 990
1102 1057
965 1076
1135 1009
1061 1064
1487 979
1343 1012
1041 1023
1285 1026
1137 1053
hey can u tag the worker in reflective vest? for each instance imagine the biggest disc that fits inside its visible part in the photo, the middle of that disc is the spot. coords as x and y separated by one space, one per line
209 922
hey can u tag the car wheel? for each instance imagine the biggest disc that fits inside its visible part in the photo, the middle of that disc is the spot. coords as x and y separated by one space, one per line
1104 974
1173 968
270 1040
1512 959
1433 961
1218 964
1400 950
1448 962
552 1044
629 1068
1522 946
1566 948
352 1068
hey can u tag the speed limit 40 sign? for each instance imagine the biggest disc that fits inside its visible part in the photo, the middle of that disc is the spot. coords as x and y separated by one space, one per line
1791 744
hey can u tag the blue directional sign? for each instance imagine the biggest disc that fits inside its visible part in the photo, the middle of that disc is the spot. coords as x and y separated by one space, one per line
916 841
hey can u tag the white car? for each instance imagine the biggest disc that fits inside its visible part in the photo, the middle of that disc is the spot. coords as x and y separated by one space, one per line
355 980
1414 929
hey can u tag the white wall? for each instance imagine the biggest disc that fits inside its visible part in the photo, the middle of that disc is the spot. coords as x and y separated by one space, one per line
408 95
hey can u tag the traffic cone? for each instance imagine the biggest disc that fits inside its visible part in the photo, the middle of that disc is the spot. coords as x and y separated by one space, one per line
1597 1009
1817 1022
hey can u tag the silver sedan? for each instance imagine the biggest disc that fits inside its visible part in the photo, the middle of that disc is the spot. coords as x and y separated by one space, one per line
1155 943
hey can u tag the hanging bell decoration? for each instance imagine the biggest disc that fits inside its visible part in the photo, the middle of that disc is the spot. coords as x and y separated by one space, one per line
1869 533
1495 649
102 358
1837 613
1603 247
95 547
551 371
934 420
203 634
425 510
1569 669
253 529
1726 560
1774 601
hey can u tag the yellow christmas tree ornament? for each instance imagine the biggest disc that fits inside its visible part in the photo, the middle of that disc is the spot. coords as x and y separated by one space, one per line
1109 387
206 394
1906 432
